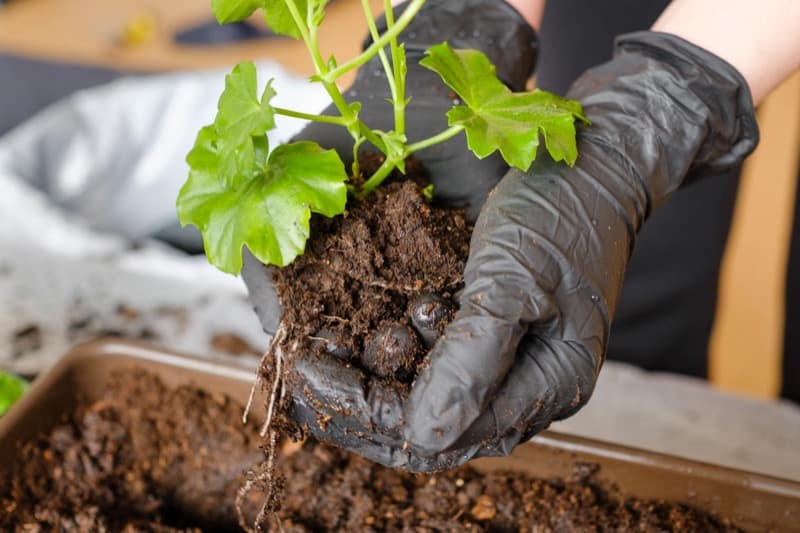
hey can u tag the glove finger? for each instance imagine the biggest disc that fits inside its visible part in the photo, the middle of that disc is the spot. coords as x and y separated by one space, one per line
550 380
338 403
336 389
472 358
465 367
514 275
261 291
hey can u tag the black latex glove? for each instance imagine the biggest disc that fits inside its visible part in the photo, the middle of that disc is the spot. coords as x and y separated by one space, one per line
551 245
459 178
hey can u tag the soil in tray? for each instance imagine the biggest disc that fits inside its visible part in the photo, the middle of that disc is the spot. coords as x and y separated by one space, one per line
147 458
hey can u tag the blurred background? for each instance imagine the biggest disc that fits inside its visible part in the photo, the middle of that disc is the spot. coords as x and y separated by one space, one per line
99 102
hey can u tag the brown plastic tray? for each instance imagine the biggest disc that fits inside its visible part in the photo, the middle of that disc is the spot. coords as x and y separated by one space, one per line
753 501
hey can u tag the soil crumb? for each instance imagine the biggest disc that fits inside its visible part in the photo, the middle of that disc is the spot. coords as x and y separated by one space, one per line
147 458
361 270
232 344
26 339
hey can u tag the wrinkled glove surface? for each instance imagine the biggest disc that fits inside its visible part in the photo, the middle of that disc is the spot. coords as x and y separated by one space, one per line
546 265
551 245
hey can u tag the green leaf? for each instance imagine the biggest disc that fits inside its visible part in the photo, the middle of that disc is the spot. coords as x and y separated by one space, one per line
266 208
11 389
276 13
238 194
241 116
427 192
280 19
497 119
234 10
395 147
240 113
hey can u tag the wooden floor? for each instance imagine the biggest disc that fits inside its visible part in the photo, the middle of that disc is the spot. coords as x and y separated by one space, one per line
745 350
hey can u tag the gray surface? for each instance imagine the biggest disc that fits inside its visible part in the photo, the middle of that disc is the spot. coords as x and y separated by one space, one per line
686 417
29 85
70 300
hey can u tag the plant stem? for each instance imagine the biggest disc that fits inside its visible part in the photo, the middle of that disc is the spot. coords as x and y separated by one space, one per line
399 85
355 170
309 34
447 134
373 31
307 116
401 24
378 177
389 163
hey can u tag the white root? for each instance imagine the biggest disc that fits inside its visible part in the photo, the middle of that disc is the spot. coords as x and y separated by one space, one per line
265 478
241 494
256 383
280 334
273 395
268 475
293 349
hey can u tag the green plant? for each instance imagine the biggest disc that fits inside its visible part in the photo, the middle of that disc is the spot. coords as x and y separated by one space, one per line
11 389
239 193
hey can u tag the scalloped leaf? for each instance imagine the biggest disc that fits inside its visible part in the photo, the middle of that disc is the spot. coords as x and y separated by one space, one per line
238 194
267 209
234 10
495 118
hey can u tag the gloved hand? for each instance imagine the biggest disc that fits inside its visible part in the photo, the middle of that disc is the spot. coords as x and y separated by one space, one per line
460 180
546 264
551 245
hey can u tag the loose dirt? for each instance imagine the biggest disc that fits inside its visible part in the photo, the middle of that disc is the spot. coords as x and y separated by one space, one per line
146 458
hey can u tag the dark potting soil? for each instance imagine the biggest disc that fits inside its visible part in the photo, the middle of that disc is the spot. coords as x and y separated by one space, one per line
352 290
146 458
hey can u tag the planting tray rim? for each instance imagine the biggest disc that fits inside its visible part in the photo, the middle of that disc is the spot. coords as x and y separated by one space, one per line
752 500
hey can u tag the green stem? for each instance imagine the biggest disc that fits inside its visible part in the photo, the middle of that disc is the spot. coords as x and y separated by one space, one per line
373 31
401 24
447 134
316 53
389 164
307 116
350 120
399 86
371 136
355 169
377 178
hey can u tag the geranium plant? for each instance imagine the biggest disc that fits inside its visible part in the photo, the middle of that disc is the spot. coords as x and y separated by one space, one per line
242 192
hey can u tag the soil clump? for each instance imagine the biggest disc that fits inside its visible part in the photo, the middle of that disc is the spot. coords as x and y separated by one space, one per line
352 292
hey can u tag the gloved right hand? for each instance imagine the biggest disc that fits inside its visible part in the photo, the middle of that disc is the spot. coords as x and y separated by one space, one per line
551 245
